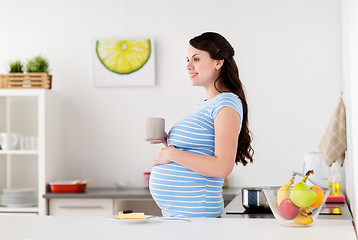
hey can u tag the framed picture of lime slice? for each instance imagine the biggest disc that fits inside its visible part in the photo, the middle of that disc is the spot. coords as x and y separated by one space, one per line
124 62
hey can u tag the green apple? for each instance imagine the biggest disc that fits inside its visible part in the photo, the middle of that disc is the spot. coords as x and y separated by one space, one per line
302 196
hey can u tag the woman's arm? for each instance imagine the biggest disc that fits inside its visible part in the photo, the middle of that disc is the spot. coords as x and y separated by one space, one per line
226 125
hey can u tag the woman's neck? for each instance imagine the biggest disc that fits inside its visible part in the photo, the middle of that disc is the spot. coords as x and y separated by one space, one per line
210 93
213 92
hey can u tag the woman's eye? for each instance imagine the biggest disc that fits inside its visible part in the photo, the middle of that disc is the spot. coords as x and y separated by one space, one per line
194 59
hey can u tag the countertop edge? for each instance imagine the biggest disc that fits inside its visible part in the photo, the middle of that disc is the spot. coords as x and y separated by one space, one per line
129 193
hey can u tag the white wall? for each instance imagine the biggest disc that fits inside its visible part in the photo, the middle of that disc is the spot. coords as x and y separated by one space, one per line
288 52
350 77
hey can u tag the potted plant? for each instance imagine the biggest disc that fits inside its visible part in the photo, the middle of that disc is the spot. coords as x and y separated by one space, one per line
36 76
38 64
16 67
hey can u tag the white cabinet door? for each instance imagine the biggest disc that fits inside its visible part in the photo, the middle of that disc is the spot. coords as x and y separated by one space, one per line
81 207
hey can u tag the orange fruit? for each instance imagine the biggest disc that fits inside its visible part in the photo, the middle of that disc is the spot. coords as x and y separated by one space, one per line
320 195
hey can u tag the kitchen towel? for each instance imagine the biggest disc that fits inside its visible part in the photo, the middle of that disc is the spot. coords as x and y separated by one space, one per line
333 144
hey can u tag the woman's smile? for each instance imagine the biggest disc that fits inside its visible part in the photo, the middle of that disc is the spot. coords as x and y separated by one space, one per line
193 75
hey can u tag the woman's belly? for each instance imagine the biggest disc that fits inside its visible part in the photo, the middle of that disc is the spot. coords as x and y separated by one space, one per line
181 192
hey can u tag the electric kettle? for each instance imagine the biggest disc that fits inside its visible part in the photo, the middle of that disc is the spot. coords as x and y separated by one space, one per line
314 161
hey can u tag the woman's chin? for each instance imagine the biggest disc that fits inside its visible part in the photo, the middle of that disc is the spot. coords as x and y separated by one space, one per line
194 83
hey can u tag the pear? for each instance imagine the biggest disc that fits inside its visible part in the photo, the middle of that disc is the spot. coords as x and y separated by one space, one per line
301 194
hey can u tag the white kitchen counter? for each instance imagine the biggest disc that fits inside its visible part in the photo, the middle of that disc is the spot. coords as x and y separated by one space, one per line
65 227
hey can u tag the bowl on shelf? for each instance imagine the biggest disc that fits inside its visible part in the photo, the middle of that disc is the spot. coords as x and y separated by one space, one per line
287 213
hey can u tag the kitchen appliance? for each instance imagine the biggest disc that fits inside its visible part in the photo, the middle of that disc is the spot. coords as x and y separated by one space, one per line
314 161
254 200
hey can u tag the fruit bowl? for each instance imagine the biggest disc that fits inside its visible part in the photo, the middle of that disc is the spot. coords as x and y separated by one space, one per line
287 213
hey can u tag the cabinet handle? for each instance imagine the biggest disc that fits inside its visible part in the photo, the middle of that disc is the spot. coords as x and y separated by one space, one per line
82 207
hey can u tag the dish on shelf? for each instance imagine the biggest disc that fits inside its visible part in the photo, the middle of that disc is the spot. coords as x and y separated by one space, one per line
67 187
19 191
19 197
34 204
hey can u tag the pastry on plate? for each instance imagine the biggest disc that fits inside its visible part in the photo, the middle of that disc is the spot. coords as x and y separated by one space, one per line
129 214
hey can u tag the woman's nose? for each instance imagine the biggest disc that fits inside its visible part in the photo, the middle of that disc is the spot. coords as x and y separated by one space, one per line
189 66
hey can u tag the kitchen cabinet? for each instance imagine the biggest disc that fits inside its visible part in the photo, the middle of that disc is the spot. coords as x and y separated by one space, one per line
81 207
34 114
100 206
97 201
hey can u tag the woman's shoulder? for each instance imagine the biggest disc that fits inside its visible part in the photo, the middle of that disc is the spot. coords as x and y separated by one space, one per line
227 99
228 96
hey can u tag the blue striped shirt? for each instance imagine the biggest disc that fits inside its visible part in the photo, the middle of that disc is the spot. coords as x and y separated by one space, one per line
179 191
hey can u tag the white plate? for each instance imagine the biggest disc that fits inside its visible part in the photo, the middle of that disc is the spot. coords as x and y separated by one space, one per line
24 205
115 219
18 192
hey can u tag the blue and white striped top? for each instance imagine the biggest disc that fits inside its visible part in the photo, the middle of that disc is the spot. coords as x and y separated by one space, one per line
179 191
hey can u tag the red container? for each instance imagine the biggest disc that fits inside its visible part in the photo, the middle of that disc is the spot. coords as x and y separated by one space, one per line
67 188
146 179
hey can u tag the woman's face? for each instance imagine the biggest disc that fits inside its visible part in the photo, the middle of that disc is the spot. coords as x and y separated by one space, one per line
202 69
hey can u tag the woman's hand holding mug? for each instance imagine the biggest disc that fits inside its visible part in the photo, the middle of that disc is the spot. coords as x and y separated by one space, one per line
155 131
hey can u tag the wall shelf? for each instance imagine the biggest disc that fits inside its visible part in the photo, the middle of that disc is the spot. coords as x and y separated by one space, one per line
19 152
33 113
19 210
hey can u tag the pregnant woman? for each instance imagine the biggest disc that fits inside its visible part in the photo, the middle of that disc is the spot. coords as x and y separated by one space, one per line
201 150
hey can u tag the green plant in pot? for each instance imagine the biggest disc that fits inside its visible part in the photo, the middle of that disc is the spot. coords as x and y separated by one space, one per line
16 67
37 64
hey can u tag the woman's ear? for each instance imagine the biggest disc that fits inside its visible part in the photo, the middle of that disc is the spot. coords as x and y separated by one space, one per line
219 64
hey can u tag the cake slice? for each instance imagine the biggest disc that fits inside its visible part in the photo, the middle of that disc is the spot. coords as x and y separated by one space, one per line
129 214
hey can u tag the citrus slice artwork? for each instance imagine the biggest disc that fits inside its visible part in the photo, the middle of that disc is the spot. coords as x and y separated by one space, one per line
124 62
123 56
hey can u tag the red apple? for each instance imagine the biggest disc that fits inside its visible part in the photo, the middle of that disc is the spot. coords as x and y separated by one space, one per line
287 209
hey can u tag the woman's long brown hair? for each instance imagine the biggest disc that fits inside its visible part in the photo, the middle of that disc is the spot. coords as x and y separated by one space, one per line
219 48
